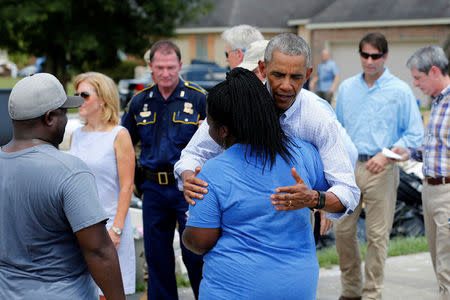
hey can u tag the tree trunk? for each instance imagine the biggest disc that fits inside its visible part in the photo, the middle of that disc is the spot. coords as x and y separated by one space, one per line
56 65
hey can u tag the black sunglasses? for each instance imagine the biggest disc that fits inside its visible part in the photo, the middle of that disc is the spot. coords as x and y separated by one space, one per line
374 56
83 95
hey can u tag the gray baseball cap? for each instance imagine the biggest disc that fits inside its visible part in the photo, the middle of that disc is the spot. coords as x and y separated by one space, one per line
37 94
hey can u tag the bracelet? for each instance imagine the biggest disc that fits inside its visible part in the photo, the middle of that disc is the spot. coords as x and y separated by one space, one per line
321 200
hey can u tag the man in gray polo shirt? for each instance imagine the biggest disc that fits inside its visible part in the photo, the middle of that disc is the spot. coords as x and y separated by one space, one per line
52 228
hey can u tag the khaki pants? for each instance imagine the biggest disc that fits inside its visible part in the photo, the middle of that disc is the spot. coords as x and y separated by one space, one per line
379 194
436 213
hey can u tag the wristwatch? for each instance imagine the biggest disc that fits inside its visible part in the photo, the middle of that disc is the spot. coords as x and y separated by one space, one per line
321 200
117 230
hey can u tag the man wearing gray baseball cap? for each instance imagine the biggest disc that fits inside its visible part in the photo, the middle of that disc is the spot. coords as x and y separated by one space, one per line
52 227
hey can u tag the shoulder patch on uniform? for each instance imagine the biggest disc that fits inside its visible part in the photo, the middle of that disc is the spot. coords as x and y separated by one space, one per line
195 86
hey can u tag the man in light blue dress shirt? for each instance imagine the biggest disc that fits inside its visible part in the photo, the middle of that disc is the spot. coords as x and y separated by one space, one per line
378 110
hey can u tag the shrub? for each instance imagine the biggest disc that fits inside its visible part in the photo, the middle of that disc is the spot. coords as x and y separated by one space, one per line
125 69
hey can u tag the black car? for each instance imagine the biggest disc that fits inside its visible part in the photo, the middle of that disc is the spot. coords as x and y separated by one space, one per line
205 74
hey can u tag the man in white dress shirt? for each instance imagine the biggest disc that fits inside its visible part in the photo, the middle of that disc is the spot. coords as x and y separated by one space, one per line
287 65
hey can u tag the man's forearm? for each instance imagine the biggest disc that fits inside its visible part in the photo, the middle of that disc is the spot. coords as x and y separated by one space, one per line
105 270
338 169
340 177
332 203
200 148
102 260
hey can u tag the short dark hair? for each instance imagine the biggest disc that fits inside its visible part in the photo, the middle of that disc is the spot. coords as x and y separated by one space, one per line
243 104
166 47
375 39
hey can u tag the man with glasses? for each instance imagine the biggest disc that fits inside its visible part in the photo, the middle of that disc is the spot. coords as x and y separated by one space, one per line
429 69
237 39
378 110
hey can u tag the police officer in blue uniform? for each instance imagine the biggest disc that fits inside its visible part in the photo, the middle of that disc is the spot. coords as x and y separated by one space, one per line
163 117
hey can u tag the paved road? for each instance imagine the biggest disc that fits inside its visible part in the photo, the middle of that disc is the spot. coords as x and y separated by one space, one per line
408 277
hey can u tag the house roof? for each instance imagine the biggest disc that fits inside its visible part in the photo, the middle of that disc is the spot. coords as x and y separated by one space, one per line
386 10
267 15
280 15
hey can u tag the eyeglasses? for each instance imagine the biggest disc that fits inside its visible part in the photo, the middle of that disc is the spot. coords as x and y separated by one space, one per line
227 53
374 56
83 95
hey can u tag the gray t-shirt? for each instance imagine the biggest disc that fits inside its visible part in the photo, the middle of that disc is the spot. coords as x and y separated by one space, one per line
45 197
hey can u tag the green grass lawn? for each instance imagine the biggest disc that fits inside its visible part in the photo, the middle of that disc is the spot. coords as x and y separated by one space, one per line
7 82
328 257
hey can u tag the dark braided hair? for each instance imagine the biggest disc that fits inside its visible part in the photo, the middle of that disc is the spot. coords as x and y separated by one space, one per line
243 104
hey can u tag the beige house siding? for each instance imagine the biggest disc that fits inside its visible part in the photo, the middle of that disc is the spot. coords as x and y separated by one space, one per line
211 44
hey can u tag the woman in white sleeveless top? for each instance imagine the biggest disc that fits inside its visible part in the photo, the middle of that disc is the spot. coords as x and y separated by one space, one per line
107 149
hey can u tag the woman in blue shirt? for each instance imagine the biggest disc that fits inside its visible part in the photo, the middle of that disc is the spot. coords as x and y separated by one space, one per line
256 248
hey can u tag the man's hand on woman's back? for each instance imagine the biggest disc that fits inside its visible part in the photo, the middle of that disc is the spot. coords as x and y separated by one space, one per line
193 187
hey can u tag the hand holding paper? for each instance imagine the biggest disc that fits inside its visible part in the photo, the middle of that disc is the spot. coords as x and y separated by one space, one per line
389 154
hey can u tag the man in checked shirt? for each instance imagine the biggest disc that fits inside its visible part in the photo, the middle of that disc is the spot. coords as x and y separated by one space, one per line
429 68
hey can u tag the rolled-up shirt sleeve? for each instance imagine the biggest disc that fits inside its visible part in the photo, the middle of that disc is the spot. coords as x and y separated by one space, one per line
311 122
200 148
338 169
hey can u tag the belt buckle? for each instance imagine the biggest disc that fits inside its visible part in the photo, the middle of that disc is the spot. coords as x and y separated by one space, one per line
163 175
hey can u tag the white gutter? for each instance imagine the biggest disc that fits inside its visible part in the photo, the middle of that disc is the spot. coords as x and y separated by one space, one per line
200 30
379 23
297 22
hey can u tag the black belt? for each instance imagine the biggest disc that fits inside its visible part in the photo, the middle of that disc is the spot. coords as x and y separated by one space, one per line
364 157
161 178
438 180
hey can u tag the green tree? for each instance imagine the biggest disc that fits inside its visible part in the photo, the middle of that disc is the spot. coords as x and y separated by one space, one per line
87 34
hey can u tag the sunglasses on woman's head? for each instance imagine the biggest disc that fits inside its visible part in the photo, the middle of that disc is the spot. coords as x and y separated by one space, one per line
83 95
374 56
